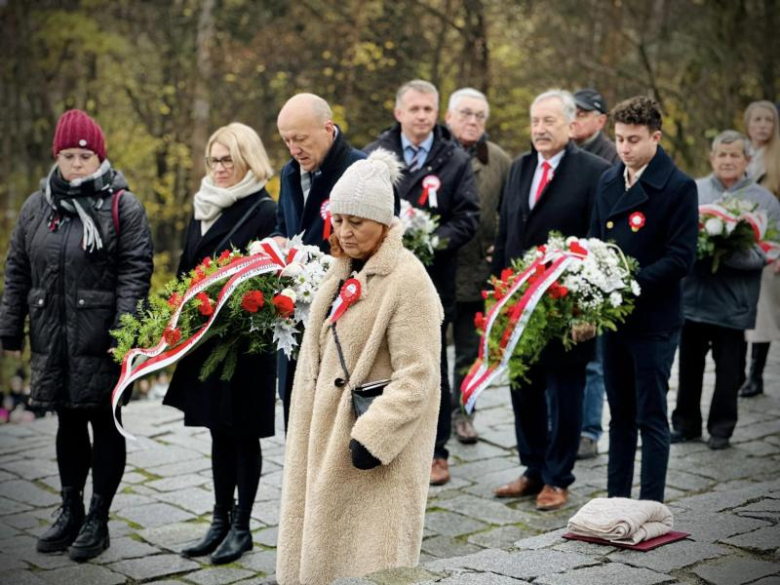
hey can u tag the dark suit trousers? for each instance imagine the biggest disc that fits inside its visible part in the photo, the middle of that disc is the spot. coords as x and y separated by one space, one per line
549 453
726 344
636 377
444 426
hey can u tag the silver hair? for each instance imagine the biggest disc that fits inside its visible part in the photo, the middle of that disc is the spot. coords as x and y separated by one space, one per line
417 85
566 99
468 92
730 137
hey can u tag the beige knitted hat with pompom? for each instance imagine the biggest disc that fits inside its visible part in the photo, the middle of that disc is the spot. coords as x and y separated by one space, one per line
366 188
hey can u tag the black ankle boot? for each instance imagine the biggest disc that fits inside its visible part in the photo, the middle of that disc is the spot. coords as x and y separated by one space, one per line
754 385
66 528
238 540
220 526
93 538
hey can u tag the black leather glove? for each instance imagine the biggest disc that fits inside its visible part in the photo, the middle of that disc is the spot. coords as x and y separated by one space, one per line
362 457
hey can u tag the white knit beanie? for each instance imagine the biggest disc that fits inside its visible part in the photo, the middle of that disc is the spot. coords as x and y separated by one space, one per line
366 188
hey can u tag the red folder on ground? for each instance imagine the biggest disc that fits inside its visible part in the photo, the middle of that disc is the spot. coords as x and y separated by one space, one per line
671 536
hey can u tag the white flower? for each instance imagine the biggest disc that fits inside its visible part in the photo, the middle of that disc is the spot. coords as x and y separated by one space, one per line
255 247
293 269
635 288
615 299
713 226
288 292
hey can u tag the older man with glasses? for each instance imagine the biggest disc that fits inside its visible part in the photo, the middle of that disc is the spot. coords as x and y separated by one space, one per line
466 118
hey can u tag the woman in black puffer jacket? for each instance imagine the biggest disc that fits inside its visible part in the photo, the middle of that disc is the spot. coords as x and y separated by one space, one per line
80 256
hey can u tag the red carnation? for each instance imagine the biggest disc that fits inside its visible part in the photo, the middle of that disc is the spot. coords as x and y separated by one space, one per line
479 320
285 306
199 275
206 308
206 262
224 257
172 336
252 301
485 294
557 291
506 274
174 301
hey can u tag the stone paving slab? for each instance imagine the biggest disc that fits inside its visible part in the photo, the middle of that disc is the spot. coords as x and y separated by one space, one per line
735 571
670 558
221 576
83 575
763 539
609 574
155 566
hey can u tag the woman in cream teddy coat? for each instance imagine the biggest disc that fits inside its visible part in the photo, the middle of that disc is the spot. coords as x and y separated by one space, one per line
355 491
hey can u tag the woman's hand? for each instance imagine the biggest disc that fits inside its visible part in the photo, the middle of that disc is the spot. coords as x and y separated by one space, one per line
362 457
14 353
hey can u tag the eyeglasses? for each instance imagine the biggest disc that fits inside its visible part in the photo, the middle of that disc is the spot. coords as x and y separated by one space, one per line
478 116
225 161
72 157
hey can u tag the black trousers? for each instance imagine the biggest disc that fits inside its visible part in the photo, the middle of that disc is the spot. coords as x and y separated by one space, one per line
726 344
285 377
466 344
637 367
235 462
105 456
549 451
444 426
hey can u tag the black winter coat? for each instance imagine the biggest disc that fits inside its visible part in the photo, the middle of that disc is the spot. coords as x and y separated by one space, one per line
665 246
74 298
564 206
244 406
458 201
293 217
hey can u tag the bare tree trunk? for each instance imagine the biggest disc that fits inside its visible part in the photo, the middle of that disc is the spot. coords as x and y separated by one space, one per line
202 104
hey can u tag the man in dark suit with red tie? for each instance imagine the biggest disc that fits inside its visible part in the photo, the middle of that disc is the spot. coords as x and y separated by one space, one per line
550 188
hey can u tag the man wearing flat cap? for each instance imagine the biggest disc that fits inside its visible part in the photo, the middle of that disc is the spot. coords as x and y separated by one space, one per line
591 118
587 133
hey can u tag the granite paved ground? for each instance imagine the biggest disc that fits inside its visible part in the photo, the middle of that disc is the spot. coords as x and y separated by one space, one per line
728 500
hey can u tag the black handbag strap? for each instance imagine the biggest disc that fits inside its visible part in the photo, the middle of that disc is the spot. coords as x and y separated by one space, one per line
241 222
341 355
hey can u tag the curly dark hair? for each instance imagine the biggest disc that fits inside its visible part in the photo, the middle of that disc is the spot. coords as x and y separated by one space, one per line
638 111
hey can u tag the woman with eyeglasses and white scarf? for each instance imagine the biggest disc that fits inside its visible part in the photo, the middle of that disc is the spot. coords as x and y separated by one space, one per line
232 209
80 257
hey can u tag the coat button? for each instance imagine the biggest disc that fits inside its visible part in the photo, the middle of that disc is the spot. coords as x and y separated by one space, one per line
340 382
610 225
81 302
40 302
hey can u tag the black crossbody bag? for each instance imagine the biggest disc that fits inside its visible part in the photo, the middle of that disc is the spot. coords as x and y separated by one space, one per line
363 395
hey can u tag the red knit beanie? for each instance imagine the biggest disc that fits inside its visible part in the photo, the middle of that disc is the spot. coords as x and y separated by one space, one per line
75 129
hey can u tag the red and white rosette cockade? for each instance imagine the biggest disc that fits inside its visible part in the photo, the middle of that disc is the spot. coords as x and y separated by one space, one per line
348 296
327 219
139 362
431 185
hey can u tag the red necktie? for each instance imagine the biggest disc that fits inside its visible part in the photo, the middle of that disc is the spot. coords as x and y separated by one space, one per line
545 179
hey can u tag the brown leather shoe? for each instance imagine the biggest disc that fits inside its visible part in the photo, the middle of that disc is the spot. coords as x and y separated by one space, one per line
552 498
440 472
464 430
522 486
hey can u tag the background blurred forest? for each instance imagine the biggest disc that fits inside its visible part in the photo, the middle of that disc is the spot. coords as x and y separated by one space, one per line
160 76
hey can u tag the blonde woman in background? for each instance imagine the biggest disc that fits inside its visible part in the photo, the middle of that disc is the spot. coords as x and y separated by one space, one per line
763 129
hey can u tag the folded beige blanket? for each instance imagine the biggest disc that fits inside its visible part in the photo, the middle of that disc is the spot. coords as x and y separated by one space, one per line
622 520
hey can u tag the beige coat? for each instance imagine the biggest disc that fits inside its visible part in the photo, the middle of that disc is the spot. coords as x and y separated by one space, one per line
768 319
336 520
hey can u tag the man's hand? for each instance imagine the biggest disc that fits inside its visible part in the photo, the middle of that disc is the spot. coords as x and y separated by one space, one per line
583 332
14 353
280 240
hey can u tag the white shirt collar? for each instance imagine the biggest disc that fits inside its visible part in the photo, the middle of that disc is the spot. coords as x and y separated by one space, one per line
636 176
553 162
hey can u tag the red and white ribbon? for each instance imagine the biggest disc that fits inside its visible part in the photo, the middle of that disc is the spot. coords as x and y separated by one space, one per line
431 185
327 219
270 259
757 220
348 296
483 373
